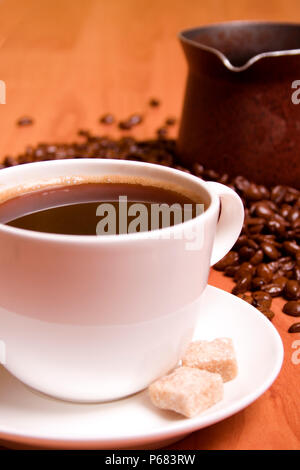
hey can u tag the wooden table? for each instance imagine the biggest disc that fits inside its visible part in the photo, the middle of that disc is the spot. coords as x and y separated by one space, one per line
66 62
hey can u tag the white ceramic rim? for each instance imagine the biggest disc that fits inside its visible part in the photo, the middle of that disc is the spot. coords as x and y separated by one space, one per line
93 239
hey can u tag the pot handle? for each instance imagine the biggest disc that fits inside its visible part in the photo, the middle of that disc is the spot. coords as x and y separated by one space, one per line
230 222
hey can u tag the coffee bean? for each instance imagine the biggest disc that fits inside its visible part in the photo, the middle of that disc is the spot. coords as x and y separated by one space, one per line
107 119
279 218
254 221
198 169
292 308
231 259
252 244
285 210
284 259
258 282
276 226
154 102
291 247
271 204
257 257
24 121
286 265
265 194
295 224
253 192
292 290
296 273
273 289
291 195
231 270
261 298
280 280
253 229
83 133
246 252
267 312
223 179
211 175
245 269
246 298
295 328
289 274
9 161
270 250
23 158
241 183
241 241
162 132
243 284
294 215
263 210
273 266
264 271
125 125
170 121
270 238
135 119
278 193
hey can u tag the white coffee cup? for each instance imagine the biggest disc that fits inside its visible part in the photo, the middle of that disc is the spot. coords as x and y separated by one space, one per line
99 318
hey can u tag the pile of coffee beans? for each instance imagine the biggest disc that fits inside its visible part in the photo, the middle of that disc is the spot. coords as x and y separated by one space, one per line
265 261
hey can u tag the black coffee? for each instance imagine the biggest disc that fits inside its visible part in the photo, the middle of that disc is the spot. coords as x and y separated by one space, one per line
98 209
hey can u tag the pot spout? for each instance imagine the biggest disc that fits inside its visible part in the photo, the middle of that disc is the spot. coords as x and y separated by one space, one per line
239 44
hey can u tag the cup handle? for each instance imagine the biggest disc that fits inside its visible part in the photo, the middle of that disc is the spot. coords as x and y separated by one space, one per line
230 222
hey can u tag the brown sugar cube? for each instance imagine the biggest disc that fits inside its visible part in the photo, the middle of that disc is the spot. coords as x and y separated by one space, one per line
214 356
187 391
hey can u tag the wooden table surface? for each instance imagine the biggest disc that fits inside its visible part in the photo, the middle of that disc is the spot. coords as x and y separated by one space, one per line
66 62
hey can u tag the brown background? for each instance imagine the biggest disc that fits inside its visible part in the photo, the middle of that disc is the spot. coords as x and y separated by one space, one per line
65 62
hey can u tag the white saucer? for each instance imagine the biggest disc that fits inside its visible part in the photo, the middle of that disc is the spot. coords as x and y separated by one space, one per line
30 418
